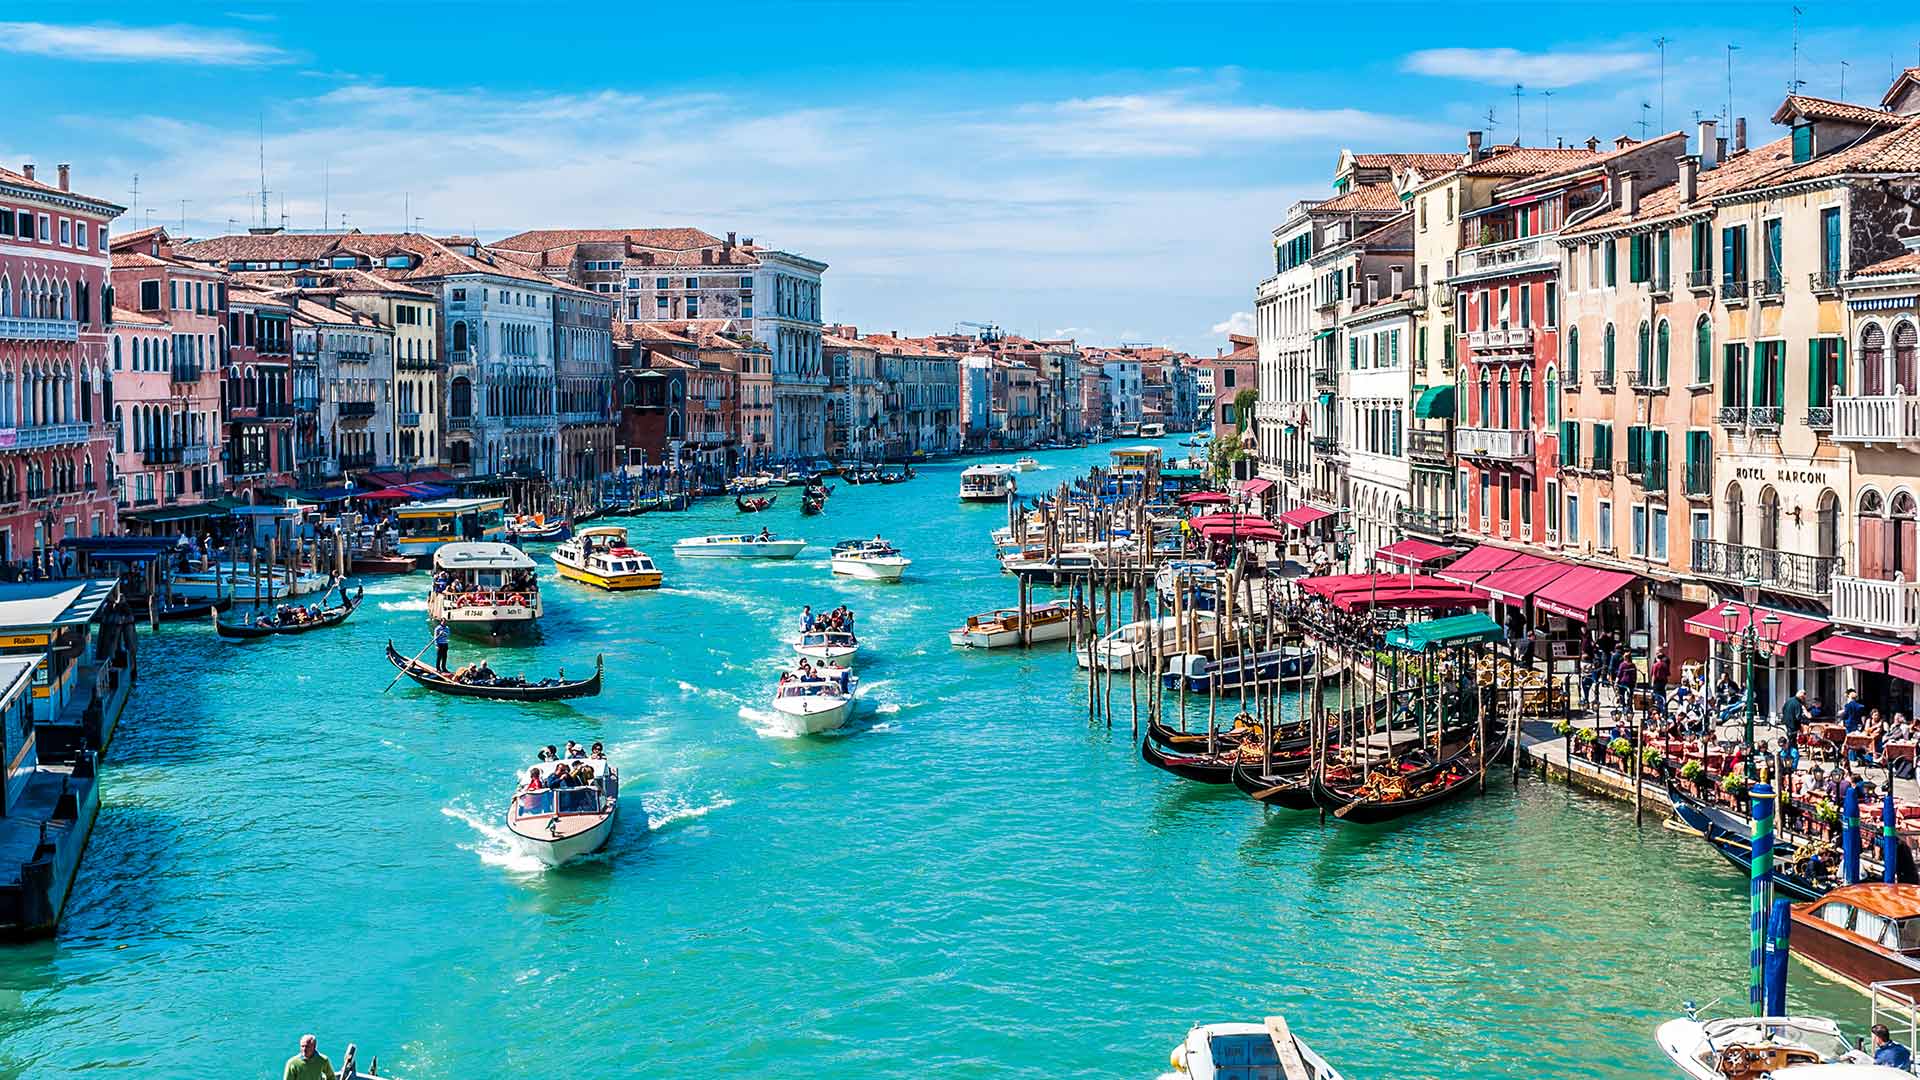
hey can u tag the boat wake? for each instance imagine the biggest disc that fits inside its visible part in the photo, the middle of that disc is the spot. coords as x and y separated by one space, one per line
416 604
663 810
494 844
764 721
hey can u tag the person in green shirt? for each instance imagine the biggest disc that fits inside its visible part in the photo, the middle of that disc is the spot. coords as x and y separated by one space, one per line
309 1063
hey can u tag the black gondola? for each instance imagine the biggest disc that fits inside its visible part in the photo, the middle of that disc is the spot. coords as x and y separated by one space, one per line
1730 834
195 609
1453 777
1289 790
811 504
754 506
1217 768
333 616
512 690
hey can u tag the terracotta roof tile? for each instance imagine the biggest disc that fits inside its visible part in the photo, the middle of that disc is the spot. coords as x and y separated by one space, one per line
1427 163
136 318
8 176
1905 263
1518 161
1813 108
1363 197
673 239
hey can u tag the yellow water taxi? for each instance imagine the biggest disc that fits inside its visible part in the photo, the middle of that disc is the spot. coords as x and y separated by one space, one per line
600 556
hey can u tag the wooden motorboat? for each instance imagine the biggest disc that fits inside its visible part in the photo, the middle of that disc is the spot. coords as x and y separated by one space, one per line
1269 1051
1862 934
809 701
868 560
538 529
498 688
599 555
1130 646
364 565
564 819
1051 621
829 646
281 621
754 505
1767 1048
738 546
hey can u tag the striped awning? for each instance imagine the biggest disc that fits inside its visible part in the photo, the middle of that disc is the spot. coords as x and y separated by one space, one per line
1883 303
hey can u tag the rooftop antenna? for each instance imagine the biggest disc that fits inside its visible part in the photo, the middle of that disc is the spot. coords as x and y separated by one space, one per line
1491 124
1548 94
183 216
1731 48
283 211
263 168
1661 41
1794 82
135 190
1517 88
326 195
1843 80
406 211
1645 107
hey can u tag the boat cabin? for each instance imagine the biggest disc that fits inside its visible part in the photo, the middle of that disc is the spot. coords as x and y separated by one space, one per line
485 567
986 482
828 639
423 527
574 800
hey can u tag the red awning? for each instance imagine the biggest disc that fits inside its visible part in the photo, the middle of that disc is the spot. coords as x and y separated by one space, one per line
1302 516
1580 591
1468 569
1199 521
1439 596
1864 653
1413 553
392 478
1256 487
1710 624
385 494
1194 497
1515 584
1905 665
1259 530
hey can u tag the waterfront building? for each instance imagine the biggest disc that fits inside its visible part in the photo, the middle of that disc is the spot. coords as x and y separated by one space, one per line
351 356
976 399
55 386
1094 388
259 429
1376 395
142 359
854 396
1123 390
652 361
920 397
1219 381
583 384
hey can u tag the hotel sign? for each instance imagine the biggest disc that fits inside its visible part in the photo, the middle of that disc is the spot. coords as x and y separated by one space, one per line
1784 474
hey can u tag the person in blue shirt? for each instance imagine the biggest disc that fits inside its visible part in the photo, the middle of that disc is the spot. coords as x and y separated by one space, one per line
441 636
806 619
1887 1052
1853 713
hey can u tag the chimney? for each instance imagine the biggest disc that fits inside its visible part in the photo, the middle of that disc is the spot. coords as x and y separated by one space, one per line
747 241
1622 142
1593 144
1720 147
66 172
1373 287
1708 145
706 256
1399 279
27 170
1629 193
730 239
1740 135
1689 178
1473 148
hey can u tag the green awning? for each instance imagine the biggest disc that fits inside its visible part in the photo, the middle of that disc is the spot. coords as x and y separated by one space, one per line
1179 474
1323 334
1436 403
1439 633
1326 399
176 513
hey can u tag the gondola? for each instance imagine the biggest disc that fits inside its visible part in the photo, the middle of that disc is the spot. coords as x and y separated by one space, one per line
192 609
333 616
1226 738
1433 785
811 504
1730 834
1289 792
1217 768
754 506
546 690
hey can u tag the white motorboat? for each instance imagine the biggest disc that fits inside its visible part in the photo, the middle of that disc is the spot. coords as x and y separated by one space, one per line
1131 646
1051 621
989 483
1269 1051
599 555
1776 1047
737 546
809 701
489 588
830 646
869 560
563 820
1056 569
1026 464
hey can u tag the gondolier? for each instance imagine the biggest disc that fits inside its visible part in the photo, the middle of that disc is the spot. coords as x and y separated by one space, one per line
442 633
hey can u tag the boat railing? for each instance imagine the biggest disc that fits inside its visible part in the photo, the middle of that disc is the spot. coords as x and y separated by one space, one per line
1896 1003
490 598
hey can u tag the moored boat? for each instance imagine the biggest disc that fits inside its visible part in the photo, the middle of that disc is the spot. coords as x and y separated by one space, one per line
987 483
1051 621
1286 665
538 529
1403 787
570 814
289 619
1236 1051
1130 647
830 646
1797 874
738 546
1026 464
869 560
497 687
484 588
599 555
425 526
1861 934
809 699
1767 1048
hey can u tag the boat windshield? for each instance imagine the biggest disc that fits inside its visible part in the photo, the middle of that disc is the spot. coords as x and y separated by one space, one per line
1819 1036
1246 1057
532 803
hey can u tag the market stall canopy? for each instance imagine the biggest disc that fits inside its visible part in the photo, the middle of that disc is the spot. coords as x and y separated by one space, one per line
1244 521
1517 584
1195 497
1245 534
1711 624
1435 403
1905 665
1256 487
1412 552
1580 591
1302 516
1439 597
1473 629
1862 653
1468 569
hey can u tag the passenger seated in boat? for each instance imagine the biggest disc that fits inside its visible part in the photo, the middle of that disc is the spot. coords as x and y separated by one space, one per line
598 753
561 776
533 779
548 753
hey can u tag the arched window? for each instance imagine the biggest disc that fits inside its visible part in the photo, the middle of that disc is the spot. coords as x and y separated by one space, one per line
1905 338
1827 525
116 352
1900 535
1873 355
460 407
1573 356
1553 397
1643 354
1736 515
1486 398
1703 351
1606 354
459 336
1526 399
1662 352
1770 519
1506 399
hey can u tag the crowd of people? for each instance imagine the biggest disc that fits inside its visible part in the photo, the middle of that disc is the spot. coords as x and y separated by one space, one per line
839 619
572 774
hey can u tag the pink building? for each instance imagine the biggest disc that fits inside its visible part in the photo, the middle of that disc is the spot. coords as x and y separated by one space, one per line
1221 380
55 394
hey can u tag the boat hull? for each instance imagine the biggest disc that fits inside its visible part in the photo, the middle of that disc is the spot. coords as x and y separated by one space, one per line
807 716
840 655
562 850
998 639
771 549
870 569
639 579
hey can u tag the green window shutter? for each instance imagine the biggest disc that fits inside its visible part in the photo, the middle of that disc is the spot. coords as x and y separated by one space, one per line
1777 368
1814 393
1840 365
1612 247
1729 376
1703 351
1727 249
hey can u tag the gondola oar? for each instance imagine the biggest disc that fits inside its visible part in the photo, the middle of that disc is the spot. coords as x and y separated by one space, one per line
415 660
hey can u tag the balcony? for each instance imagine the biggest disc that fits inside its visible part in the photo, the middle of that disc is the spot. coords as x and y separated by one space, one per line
356 461
1769 289
535 421
459 356
1663 286
1325 444
1436 524
1507 254
44 436
355 356
1893 419
196 455
1819 418
306 404
1700 280
1325 378
1642 383
1766 417
410 419
1733 416
1734 291
413 363
1604 380
1699 479
160 455
39 330
1825 281
356 410
710 438
1780 571
460 423
1892 606
1651 476
1425 445
1495 444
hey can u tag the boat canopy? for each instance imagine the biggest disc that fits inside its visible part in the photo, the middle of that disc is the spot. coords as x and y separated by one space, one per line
481 555
1474 629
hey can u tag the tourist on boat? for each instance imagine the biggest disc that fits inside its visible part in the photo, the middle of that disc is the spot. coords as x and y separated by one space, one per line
1887 1052
548 753
765 534
574 752
598 754
806 619
309 1063
561 776
442 634
533 778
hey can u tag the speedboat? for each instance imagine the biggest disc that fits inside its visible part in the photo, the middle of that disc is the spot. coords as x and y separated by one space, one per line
833 646
1026 464
537 528
1056 569
740 546
556 825
600 556
814 700
1776 1047
1051 621
1269 1051
869 560
1130 647
989 483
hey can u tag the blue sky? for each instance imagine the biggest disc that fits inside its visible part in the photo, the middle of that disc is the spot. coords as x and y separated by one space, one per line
1107 171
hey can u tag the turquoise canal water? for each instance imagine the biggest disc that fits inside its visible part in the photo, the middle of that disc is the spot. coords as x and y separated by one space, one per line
970 881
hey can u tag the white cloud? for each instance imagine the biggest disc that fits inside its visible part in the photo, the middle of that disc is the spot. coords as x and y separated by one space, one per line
1177 124
1535 71
1240 322
179 44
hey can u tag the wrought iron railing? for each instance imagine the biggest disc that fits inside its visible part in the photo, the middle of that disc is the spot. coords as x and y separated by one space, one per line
1784 571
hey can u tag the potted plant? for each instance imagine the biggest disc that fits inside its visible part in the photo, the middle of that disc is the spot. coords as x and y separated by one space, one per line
1735 786
1620 748
1563 727
1589 742
1695 774
1651 758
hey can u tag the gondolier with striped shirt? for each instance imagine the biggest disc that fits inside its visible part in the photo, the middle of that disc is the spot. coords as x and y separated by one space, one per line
441 635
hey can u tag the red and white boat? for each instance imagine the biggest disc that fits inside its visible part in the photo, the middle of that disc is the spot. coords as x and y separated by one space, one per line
559 823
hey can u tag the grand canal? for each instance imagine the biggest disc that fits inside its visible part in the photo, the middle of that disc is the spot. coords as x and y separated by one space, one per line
968 881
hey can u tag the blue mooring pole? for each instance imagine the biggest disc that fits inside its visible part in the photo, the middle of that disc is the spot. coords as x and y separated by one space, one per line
1778 924
1850 835
1889 844
1761 885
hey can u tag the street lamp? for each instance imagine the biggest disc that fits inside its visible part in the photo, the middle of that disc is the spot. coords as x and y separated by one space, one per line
1755 636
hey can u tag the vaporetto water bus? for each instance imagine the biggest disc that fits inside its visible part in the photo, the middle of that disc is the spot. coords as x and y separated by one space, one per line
423 527
490 589
987 483
599 555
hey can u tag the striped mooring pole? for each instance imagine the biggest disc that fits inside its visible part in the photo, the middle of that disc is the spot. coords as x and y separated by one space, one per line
1761 882
1850 835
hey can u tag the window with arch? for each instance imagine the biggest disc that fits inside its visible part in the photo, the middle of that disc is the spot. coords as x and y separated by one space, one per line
1486 398
1553 396
1736 515
1526 399
459 336
1506 399
1643 354
1873 358
460 399
1900 535
1827 525
1573 356
1770 519
1606 354
1905 340
1703 351
1662 352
